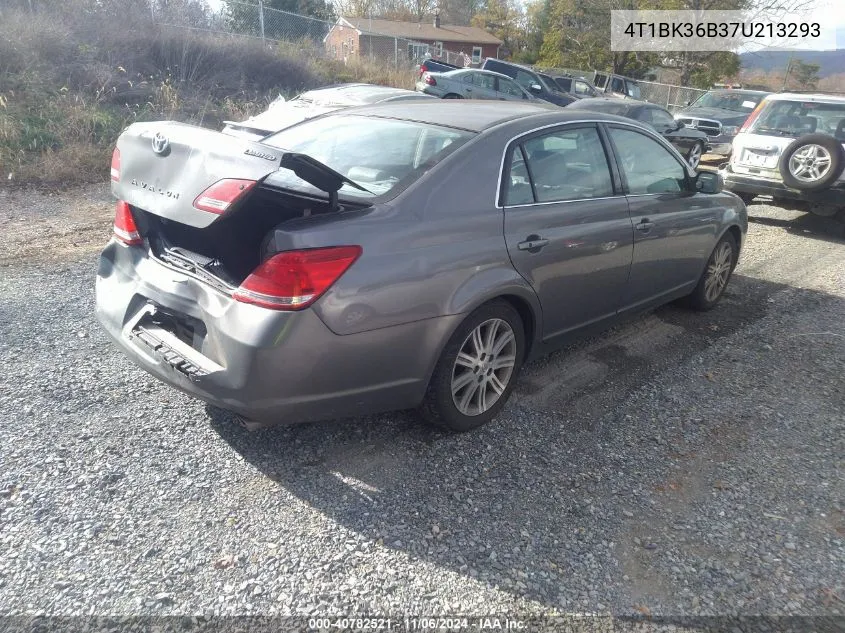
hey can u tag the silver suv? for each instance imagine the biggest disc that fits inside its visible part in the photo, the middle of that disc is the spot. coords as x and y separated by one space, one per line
792 148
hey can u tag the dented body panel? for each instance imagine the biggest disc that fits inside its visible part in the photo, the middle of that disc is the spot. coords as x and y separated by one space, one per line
431 253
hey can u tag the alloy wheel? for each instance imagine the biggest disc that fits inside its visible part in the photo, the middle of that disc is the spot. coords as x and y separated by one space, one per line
718 271
810 163
483 367
694 156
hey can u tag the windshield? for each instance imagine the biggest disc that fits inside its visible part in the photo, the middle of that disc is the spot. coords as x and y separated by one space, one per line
379 154
795 118
735 101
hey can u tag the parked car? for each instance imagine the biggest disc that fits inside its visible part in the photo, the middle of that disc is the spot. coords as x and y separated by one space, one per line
692 144
578 87
792 147
400 255
530 80
614 85
720 114
282 114
436 66
472 84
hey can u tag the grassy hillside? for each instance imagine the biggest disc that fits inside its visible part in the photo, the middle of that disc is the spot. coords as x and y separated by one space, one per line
69 84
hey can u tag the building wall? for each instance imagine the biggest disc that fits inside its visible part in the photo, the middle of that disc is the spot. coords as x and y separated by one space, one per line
343 42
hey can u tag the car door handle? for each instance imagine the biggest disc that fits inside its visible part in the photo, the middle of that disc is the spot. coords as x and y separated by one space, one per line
533 243
468 89
645 226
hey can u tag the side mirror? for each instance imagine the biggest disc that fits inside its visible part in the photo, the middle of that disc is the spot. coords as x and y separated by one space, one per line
535 88
708 182
689 101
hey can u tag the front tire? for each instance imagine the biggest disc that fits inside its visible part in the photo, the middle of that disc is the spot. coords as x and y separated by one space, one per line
716 275
477 369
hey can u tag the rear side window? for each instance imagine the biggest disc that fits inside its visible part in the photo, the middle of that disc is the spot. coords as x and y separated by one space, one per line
648 166
560 166
564 84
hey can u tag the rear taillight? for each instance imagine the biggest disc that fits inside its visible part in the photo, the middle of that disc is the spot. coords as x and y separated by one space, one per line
115 165
125 228
293 280
423 69
430 80
222 194
754 114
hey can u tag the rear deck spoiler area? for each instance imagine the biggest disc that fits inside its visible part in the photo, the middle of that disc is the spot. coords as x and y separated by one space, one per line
164 166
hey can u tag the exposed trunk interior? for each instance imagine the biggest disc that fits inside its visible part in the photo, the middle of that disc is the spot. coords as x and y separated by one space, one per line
232 246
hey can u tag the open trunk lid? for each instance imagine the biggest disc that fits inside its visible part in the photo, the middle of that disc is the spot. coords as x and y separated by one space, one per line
166 165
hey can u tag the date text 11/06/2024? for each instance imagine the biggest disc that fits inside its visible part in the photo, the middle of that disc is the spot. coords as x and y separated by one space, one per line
417 624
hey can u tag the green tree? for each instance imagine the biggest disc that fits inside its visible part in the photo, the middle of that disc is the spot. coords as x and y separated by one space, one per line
801 76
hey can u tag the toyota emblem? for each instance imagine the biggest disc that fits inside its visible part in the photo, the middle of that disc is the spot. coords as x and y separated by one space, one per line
161 145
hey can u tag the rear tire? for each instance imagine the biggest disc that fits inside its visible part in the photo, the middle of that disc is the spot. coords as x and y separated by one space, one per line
477 369
717 273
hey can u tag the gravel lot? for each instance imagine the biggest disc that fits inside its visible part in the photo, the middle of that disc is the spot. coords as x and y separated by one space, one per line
681 464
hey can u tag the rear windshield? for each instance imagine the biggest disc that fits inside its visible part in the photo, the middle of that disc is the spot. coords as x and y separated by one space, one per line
734 101
796 118
384 156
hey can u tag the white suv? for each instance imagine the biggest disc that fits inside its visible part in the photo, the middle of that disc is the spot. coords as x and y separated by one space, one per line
792 147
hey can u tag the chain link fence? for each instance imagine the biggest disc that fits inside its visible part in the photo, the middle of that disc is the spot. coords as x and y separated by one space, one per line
334 40
669 96
322 38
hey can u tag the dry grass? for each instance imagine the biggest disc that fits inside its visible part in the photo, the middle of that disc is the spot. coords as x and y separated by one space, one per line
68 86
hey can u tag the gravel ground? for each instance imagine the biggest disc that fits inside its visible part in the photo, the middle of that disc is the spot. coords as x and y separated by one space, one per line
680 464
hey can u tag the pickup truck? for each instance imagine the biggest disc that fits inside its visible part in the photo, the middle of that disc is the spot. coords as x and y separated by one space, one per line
529 79
436 66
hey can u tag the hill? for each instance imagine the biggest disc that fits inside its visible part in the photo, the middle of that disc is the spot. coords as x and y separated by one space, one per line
830 62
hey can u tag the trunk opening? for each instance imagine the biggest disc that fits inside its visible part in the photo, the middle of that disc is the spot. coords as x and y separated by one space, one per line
233 245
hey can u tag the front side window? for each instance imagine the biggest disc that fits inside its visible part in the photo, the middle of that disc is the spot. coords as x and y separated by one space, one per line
509 87
583 88
564 165
526 80
662 119
648 166
483 80
564 84
381 155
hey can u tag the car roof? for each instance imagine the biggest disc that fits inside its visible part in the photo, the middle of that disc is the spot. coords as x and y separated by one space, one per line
799 96
475 70
737 91
475 116
355 93
615 101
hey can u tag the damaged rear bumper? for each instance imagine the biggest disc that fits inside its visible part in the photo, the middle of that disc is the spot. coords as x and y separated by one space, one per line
271 367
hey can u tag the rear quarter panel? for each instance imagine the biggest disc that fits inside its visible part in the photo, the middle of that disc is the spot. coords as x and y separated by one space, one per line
437 249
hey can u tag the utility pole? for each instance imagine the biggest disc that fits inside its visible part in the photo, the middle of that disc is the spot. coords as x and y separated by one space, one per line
788 68
261 17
